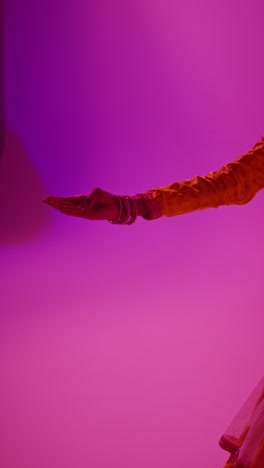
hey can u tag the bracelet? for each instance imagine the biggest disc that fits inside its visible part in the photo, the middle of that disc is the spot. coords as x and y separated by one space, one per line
120 207
127 210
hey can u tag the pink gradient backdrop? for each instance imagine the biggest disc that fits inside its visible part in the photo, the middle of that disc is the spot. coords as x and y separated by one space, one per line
127 347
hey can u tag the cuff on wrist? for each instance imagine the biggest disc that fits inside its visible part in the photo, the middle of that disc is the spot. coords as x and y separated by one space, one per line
153 208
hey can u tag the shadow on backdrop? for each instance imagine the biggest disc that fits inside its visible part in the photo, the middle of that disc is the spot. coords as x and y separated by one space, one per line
2 94
22 213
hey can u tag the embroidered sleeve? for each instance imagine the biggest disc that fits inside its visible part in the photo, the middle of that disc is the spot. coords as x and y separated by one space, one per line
235 183
151 205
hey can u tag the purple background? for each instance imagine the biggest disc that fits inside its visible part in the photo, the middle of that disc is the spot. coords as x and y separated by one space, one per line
127 346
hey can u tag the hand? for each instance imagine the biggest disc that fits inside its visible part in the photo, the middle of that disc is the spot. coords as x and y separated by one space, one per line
98 205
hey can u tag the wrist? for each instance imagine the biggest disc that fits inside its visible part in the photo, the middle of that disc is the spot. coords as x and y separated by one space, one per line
141 206
149 208
115 209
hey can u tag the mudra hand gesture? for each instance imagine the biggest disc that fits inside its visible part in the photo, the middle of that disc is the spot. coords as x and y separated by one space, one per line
100 205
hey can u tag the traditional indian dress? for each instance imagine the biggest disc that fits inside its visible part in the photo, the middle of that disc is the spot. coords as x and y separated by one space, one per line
235 183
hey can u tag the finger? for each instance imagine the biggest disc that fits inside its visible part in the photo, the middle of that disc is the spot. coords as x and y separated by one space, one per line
57 206
76 206
70 207
82 207
51 198
65 207
58 203
63 204
64 200
80 201
77 213
60 206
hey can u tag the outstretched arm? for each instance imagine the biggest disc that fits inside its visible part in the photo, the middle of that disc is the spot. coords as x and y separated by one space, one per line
234 184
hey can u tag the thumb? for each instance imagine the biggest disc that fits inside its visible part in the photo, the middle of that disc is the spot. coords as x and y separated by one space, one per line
96 193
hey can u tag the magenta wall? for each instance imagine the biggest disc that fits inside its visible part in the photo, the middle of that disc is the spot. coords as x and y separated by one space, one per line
127 346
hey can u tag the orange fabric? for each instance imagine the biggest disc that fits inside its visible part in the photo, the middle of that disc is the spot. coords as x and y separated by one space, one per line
230 463
235 183
258 461
258 456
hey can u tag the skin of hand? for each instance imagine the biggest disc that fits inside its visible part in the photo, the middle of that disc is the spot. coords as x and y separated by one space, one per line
99 205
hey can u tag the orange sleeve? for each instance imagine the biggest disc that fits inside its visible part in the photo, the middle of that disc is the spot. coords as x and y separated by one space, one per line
235 183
